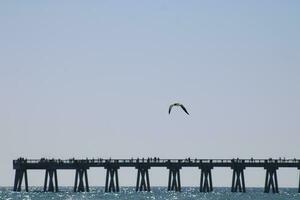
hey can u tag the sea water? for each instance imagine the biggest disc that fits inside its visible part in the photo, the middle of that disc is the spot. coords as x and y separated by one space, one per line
156 193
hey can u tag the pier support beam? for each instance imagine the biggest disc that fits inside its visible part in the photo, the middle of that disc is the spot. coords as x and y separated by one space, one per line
112 179
142 182
81 180
238 180
19 178
206 179
271 179
50 185
174 178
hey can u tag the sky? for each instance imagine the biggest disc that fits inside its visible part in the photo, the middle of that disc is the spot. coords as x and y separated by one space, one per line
95 79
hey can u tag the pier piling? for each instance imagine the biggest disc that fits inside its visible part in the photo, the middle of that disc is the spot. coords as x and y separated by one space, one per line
112 179
299 179
174 183
81 180
19 179
206 178
238 178
271 179
50 186
142 182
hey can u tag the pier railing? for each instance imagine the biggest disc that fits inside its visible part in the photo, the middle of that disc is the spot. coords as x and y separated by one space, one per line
101 161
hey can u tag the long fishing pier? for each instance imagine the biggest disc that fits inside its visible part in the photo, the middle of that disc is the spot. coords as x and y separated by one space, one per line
81 166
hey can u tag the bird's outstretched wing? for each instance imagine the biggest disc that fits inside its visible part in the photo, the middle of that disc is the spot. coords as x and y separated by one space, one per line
170 108
183 108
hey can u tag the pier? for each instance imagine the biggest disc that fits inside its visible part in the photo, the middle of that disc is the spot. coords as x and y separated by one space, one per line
205 166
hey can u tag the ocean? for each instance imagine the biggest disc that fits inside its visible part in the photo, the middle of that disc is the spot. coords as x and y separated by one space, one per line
159 193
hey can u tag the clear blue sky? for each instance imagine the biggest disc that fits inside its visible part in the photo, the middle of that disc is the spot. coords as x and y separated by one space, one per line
95 79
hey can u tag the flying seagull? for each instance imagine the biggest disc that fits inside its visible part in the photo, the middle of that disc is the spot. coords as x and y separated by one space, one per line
178 104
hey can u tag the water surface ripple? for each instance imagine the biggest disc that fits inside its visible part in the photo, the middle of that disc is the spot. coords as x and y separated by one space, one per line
157 193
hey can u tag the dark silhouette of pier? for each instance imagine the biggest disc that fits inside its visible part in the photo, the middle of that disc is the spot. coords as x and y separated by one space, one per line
81 167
